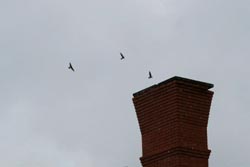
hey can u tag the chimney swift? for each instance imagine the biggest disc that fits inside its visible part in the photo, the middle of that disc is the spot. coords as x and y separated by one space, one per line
70 67
122 57
149 75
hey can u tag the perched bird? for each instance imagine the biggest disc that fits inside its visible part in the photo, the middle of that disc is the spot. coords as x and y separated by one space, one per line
149 75
70 67
122 57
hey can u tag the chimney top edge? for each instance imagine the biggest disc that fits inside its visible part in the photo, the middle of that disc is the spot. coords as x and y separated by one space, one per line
200 84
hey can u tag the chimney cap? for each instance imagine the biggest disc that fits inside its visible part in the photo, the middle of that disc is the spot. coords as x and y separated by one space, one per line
200 84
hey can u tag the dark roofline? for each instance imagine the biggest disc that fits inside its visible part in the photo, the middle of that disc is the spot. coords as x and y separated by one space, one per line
200 84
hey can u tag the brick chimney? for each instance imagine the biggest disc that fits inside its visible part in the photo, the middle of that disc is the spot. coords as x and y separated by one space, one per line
173 117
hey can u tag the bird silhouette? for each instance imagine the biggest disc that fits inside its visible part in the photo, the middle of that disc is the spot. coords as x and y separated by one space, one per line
122 57
70 67
149 75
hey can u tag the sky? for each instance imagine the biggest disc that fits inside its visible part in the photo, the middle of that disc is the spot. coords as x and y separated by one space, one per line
53 117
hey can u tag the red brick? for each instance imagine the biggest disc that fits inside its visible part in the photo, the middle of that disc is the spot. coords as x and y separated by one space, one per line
173 117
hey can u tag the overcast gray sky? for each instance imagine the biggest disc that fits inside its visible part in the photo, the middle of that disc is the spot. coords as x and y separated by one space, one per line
52 117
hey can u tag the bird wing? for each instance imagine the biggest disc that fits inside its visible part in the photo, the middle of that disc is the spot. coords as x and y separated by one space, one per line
150 75
121 55
72 68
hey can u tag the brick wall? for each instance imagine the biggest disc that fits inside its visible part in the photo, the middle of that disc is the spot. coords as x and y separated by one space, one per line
173 117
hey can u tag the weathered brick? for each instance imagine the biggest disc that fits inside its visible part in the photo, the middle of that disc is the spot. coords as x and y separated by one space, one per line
173 117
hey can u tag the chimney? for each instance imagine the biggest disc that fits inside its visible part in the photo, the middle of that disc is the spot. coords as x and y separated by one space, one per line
173 117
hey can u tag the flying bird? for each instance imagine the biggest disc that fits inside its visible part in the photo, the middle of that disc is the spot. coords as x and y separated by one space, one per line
70 67
122 57
149 75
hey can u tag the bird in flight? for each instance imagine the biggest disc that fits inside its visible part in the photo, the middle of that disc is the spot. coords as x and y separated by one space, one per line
149 75
122 57
70 67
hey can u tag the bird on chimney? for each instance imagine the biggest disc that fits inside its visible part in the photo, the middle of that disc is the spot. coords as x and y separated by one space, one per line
71 67
149 75
122 57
